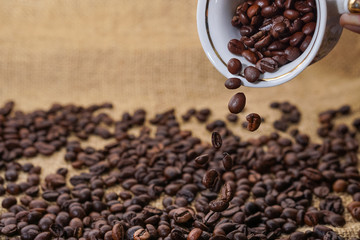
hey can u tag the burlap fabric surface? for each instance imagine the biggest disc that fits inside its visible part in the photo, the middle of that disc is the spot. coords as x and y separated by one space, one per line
140 53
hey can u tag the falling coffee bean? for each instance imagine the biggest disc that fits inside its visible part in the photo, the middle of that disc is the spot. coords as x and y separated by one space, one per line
237 103
233 83
254 121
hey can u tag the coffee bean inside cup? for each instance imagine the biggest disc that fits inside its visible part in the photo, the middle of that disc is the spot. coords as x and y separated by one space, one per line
272 33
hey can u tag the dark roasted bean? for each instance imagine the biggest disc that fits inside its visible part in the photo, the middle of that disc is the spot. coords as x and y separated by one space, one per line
305 43
234 66
216 140
291 14
210 178
236 47
254 121
309 28
218 205
227 161
250 56
237 103
292 53
233 83
268 65
252 74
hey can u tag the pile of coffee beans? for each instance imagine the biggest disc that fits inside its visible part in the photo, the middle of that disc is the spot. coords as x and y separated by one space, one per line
290 115
261 188
273 33
201 115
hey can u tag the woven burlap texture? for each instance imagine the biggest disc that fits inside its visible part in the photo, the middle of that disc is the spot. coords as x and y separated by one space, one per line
140 53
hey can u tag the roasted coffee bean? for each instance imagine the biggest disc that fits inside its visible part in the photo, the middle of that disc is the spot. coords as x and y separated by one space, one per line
332 203
335 220
218 205
296 38
267 65
321 191
227 161
141 234
340 185
291 14
253 10
281 60
210 178
228 191
13 188
43 236
247 31
263 42
118 232
8 202
303 7
305 43
233 83
236 47
355 213
309 17
269 11
232 117
211 218
254 121
234 66
44 148
182 215
9 229
56 230
237 103
250 56
11 175
309 28
277 46
312 218
278 30
202 159
216 140
292 53
252 74
195 234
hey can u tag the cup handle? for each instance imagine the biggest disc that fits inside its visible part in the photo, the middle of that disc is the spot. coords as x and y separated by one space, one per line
348 6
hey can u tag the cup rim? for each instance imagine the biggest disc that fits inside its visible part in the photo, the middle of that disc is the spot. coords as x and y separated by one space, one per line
215 58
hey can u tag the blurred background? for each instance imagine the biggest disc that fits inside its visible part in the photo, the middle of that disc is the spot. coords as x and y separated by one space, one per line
147 54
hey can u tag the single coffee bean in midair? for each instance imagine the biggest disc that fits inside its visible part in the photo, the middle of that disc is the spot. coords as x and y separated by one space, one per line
254 121
233 83
237 103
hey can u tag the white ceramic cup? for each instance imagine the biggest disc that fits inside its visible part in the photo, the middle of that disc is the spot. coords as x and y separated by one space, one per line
215 31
